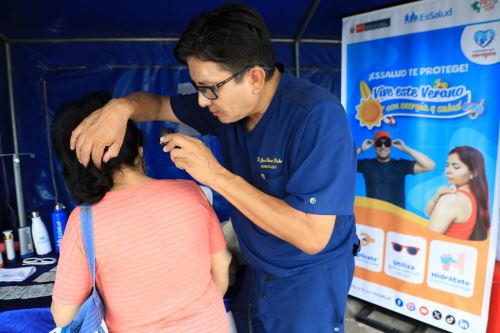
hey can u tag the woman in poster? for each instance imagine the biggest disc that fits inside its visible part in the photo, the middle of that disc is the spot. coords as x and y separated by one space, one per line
462 210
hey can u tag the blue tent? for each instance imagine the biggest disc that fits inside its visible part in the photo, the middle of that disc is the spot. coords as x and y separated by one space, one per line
53 51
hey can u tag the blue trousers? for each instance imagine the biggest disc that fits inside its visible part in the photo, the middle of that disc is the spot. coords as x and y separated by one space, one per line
311 301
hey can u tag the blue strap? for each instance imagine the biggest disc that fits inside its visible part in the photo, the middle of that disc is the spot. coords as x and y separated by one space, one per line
87 226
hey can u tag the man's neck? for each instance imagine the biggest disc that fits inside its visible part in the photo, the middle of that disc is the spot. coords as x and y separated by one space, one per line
267 95
383 160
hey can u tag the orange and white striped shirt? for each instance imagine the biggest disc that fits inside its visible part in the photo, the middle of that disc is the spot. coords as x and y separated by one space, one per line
153 243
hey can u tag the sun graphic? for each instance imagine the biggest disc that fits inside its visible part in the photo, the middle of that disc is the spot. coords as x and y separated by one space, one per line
370 111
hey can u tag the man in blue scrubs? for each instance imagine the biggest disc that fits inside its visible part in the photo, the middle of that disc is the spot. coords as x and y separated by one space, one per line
289 168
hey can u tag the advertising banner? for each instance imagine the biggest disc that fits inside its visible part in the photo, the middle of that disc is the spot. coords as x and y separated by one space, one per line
420 83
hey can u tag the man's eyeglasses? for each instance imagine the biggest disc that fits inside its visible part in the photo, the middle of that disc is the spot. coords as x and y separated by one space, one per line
387 143
412 250
210 92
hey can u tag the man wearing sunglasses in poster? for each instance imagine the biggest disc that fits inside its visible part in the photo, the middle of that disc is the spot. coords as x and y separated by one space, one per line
384 176
289 168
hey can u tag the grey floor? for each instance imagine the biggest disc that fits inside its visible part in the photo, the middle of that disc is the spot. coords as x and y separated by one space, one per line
398 322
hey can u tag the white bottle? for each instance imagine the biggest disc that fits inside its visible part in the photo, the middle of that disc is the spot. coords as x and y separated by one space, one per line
40 235
8 236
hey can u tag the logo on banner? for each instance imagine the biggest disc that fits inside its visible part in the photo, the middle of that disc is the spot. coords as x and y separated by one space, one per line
383 103
485 5
428 16
450 319
373 25
484 38
463 324
480 43
436 315
423 311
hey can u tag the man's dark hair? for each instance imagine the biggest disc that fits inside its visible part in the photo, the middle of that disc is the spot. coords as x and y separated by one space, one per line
232 35
88 184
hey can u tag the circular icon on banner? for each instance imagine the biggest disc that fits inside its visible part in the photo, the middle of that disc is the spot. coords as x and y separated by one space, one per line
410 306
450 319
436 315
481 43
463 324
399 302
424 311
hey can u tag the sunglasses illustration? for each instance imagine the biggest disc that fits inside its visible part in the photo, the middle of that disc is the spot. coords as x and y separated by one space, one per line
411 250
387 143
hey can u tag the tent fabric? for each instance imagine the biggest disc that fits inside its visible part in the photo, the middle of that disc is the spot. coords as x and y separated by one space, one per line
58 72
45 74
154 18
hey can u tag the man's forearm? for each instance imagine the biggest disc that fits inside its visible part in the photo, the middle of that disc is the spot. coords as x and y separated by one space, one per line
150 107
424 162
310 233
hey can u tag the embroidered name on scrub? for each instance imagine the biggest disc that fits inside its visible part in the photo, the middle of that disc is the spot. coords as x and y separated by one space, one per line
269 163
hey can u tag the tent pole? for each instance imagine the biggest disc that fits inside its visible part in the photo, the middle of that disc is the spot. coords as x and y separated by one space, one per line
15 157
300 33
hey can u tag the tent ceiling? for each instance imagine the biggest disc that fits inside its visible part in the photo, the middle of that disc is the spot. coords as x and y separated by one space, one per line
159 18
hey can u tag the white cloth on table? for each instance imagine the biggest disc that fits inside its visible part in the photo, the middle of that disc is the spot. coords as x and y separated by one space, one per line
16 274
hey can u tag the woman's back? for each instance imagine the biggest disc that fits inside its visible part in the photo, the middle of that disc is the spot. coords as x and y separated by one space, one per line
153 243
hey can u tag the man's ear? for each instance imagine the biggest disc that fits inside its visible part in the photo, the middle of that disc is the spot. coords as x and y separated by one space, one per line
257 79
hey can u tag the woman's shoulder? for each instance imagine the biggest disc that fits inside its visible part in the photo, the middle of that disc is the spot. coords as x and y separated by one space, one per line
460 203
176 184
176 187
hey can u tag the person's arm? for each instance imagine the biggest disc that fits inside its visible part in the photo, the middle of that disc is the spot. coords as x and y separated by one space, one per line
73 282
365 146
440 192
220 269
443 213
63 314
308 232
106 126
423 162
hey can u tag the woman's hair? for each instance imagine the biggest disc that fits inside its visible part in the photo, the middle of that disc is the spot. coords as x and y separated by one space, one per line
232 35
88 185
479 188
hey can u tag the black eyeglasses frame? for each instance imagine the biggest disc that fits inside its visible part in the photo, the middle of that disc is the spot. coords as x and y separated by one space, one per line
203 89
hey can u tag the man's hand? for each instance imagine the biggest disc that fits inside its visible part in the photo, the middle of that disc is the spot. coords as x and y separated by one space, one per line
367 144
400 144
105 127
192 155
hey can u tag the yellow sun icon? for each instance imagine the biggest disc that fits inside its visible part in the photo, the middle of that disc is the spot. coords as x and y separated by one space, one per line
370 113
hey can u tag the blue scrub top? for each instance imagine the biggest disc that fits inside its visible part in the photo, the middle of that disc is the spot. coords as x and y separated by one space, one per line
301 151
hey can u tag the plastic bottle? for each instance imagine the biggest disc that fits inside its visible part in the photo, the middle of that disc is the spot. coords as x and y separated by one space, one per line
40 235
26 248
59 218
8 237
